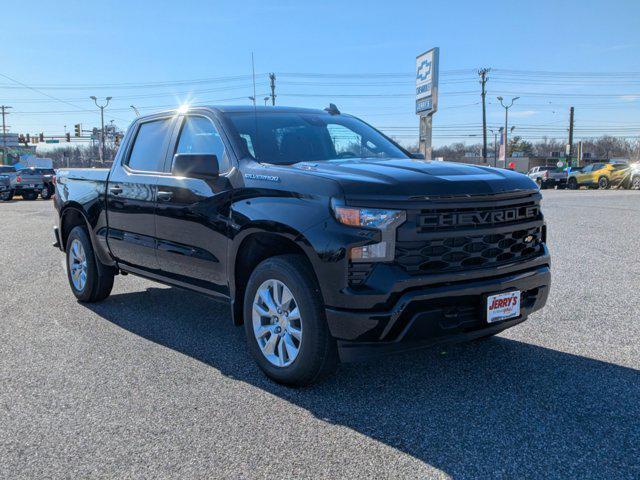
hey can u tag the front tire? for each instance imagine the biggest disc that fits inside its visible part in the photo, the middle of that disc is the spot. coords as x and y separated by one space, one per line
572 184
635 183
603 183
285 322
89 280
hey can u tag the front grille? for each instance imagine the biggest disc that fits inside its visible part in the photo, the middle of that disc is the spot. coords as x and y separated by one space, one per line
468 251
447 218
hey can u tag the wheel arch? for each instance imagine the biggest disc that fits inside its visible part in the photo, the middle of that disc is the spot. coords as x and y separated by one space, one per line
254 245
73 215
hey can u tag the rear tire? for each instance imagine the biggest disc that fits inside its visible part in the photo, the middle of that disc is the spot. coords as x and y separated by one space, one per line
93 281
6 196
316 356
46 193
635 183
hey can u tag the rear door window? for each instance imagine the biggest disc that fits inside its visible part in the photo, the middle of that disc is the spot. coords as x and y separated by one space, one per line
150 146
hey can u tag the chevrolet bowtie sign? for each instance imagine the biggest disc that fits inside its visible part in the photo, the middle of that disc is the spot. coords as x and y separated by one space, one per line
427 82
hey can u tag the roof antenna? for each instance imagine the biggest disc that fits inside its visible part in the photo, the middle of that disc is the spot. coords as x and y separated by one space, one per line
255 114
332 109
253 74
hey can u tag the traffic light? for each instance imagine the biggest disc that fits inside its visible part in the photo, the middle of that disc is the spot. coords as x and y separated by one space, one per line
28 139
41 137
78 129
21 138
68 135
118 139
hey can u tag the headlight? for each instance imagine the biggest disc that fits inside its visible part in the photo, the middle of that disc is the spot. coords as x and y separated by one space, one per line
367 217
384 220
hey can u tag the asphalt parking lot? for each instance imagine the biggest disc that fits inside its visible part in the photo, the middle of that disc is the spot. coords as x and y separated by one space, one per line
156 382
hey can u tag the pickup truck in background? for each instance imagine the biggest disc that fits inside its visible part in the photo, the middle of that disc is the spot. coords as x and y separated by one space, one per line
328 240
30 183
9 174
548 177
6 193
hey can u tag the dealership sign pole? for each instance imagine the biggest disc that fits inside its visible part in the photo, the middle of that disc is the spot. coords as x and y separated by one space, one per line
427 96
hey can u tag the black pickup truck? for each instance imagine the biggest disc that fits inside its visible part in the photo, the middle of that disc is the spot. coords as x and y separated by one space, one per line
328 240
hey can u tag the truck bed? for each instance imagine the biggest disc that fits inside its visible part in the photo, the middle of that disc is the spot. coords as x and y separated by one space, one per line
87 184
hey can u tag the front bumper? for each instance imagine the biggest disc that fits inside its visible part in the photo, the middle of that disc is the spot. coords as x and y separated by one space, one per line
441 314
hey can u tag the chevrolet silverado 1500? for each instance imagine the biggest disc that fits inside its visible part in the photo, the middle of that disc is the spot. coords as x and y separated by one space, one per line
328 240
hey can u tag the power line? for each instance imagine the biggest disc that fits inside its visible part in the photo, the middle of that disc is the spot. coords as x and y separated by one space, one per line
39 91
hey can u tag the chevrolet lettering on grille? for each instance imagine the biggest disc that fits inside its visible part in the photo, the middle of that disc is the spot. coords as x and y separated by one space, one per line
491 217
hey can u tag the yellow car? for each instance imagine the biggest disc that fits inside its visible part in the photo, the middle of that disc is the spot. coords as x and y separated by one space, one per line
598 175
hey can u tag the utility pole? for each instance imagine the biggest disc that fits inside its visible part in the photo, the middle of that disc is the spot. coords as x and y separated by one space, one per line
4 109
272 78
101 107
570 146
506 126
483 81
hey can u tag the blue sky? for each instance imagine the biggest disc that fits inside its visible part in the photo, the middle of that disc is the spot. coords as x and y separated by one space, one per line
72 50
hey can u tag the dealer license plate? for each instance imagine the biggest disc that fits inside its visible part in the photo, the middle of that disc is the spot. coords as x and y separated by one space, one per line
503 306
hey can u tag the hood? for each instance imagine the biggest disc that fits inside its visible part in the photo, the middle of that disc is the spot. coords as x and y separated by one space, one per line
363 177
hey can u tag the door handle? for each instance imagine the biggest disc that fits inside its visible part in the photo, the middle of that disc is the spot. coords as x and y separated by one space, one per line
115 190
164 196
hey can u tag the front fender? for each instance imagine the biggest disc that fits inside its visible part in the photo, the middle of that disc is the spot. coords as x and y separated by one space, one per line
310 225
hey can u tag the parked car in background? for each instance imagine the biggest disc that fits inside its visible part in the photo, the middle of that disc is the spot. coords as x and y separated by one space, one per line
598 175
29 183
548 176
8 171
633 181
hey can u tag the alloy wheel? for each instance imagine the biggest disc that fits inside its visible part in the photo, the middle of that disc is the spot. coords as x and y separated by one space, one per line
277 324
78 265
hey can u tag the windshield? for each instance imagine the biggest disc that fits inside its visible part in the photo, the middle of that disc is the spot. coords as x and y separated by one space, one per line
285 138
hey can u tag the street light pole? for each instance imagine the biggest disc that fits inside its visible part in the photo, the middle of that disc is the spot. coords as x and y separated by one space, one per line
101 107
495 146
506 125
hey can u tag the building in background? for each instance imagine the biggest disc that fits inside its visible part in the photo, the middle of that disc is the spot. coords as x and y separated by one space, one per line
11 150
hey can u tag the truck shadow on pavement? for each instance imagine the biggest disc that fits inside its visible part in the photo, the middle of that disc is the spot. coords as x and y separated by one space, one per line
495 408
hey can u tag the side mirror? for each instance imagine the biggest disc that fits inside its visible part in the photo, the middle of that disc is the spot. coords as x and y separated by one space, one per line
418 155
195 165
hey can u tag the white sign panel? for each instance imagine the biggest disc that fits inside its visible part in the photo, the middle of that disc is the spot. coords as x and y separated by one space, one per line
427 82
